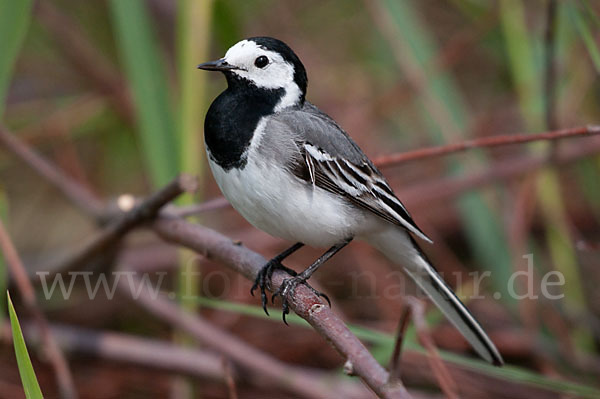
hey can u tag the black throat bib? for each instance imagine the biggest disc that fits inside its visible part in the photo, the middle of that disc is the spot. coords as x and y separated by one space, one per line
233 117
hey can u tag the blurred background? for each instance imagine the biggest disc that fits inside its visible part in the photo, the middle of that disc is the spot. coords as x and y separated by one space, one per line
108 90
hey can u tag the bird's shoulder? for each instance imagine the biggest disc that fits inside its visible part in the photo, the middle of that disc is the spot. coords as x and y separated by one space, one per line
308 124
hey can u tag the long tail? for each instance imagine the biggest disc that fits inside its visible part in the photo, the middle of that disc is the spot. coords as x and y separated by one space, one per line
401 248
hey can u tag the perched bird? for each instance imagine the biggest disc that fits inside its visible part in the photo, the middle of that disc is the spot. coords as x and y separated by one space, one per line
294 173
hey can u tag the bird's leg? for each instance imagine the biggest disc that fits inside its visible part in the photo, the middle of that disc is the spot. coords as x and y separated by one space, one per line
266 272
289 285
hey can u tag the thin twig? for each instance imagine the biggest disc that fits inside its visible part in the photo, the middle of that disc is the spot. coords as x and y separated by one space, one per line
114 231
251 359
66 118
75 192
207 206
227 368
426 193
158 354
57 359
444 378
395 359
492 141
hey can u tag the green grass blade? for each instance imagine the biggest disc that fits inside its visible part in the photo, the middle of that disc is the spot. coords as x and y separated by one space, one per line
591 13
440 94
192 45
523 63
193 34
585 33
446 114
28 378
589 182
146 75
14 21
3 268
227 26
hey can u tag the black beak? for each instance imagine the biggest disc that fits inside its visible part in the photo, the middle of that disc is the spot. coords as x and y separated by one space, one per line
218 65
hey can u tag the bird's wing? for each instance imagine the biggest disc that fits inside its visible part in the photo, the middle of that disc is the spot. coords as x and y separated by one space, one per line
329 159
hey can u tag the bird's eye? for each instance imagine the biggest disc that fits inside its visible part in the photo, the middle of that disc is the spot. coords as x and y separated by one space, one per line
261 61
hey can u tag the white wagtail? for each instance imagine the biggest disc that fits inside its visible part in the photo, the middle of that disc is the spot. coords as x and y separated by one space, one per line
294 173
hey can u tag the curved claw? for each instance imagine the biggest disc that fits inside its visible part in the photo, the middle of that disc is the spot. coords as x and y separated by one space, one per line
264 303
261 283
326 298
285 311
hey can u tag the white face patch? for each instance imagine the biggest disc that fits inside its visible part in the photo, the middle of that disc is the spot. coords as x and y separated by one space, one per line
277 74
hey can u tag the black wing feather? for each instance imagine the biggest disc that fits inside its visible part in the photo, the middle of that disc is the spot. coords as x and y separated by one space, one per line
368 191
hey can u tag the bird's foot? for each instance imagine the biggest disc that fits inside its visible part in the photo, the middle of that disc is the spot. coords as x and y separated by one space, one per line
263 279
286 291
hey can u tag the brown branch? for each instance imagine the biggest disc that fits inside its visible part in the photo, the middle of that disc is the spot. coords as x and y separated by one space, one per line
131 349
57 359
395 359
441 190
229 379
492 141
162 355
60 121
146 210
305 303
252 360
207 206
444 378
75 192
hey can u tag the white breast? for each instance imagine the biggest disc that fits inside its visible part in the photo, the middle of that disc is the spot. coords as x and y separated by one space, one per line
282 205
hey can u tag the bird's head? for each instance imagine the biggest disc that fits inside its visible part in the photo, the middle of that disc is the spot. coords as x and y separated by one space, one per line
266 63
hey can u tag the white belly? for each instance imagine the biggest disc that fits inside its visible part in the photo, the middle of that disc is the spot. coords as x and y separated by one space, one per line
286 207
